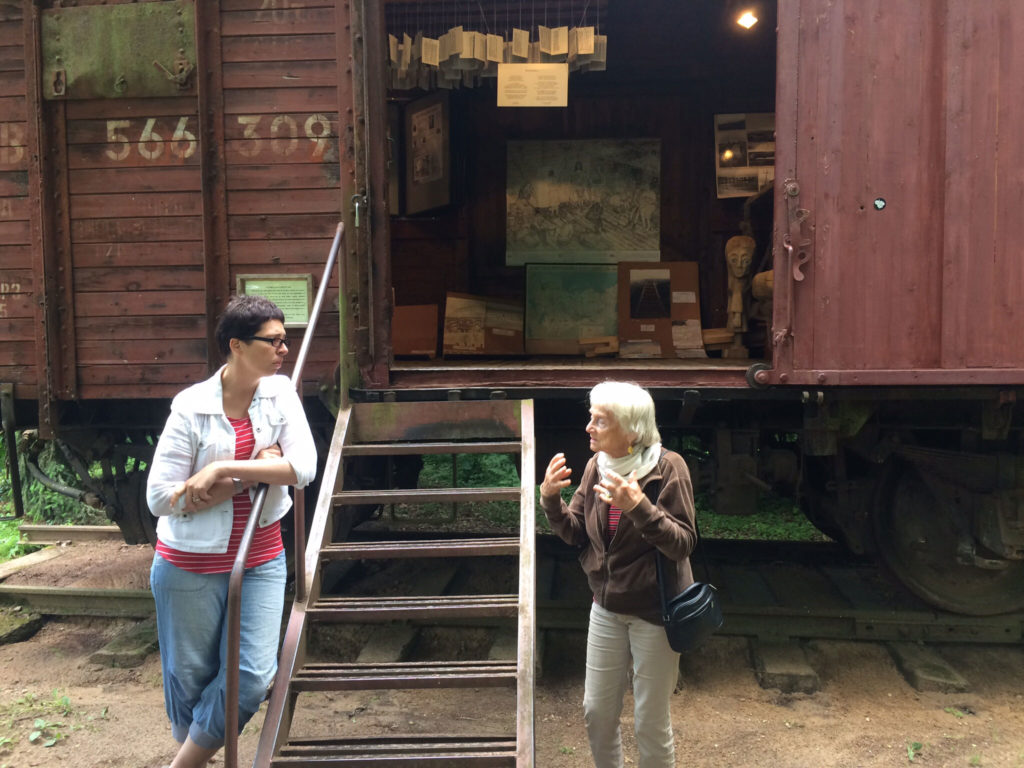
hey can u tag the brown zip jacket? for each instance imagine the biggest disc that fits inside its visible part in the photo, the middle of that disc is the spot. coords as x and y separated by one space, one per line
622 574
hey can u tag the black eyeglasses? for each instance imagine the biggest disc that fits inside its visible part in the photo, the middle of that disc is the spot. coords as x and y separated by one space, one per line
274 342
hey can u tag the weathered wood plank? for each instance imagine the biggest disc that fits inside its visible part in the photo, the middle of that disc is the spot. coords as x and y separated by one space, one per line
12 83
272 151
12 58
283 177
127 156
17 353
294 21
283 227
303 124
136 391
129 377
118 303
13 107
13 141
18 256
272 201
257 5
18 329
11 31
247 101
113 109
136 230
132 204
167 179
276 74
312 252
14 208
14 232
279 48
20 374
165 327
13 280
141 352
14 183
122 255
170 128
139 279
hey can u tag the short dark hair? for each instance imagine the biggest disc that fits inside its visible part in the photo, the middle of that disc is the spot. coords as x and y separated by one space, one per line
243 317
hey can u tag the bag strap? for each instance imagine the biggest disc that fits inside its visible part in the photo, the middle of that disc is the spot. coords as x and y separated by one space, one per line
652 490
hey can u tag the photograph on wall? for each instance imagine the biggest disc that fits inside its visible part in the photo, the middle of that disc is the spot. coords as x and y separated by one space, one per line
744 153
649 293
569 302
587 201
427 155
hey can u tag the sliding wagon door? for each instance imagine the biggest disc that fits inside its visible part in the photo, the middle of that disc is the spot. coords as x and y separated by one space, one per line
900 182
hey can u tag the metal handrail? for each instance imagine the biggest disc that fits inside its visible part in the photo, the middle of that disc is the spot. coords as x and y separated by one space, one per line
234 617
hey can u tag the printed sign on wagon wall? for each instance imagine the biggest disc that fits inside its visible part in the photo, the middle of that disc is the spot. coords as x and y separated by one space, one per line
293 294
533 85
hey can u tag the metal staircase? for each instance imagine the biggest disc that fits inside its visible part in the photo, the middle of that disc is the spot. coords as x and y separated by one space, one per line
396 429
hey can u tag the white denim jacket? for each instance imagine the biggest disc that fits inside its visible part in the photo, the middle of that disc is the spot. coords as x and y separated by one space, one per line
198 433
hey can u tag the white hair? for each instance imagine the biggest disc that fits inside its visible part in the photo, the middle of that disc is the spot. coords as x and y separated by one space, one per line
631 406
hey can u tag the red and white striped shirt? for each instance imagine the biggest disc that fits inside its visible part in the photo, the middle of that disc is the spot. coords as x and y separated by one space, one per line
266 542
614 513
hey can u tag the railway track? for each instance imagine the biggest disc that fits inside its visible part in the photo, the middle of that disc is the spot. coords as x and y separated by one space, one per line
772 591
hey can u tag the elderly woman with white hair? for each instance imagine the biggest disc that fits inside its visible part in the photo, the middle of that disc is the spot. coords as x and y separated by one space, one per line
621 529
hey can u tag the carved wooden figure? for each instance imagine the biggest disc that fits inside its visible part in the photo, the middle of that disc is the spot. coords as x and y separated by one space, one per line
739 251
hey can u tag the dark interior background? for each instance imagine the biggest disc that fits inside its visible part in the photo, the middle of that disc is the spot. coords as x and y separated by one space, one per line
672 66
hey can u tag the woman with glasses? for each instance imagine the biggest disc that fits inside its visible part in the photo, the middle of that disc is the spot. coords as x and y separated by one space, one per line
241 427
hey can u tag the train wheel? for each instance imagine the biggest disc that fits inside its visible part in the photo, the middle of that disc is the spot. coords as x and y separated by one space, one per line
131 510
918 536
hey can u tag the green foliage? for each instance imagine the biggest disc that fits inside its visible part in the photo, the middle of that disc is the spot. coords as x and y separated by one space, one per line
30 707
472 470
11 545
43 505
45 732
914 749
954 712
776 519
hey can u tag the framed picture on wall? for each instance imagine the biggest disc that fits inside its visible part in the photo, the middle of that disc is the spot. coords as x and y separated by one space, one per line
744 153
427 153
568 302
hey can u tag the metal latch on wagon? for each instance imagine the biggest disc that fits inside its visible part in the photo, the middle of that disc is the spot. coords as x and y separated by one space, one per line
119 51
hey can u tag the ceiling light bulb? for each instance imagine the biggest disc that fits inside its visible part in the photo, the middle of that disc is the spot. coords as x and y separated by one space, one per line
747 20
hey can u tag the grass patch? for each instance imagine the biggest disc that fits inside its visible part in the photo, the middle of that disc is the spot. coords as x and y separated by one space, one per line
11 545
777 518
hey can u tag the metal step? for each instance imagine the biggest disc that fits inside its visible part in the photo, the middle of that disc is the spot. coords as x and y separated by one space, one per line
399 750
408 449
371 609
426 495
377 550
434 674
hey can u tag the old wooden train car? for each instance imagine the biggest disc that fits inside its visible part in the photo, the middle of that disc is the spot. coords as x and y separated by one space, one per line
151 154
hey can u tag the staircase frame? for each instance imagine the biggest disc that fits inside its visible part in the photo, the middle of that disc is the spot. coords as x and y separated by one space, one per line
372 429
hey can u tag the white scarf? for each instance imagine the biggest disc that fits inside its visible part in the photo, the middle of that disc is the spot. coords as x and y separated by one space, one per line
641 461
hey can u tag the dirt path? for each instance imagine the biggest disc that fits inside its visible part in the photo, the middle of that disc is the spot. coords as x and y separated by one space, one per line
864 716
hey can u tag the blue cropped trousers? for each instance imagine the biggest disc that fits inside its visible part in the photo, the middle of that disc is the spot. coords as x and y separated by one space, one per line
191 612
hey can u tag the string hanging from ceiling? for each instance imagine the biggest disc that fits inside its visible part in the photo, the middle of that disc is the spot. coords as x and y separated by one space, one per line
452 44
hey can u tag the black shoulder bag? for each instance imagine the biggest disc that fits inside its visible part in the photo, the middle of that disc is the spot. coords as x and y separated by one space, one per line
695 613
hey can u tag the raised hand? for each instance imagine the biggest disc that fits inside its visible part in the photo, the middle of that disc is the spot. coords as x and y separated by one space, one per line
556 477
622 492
